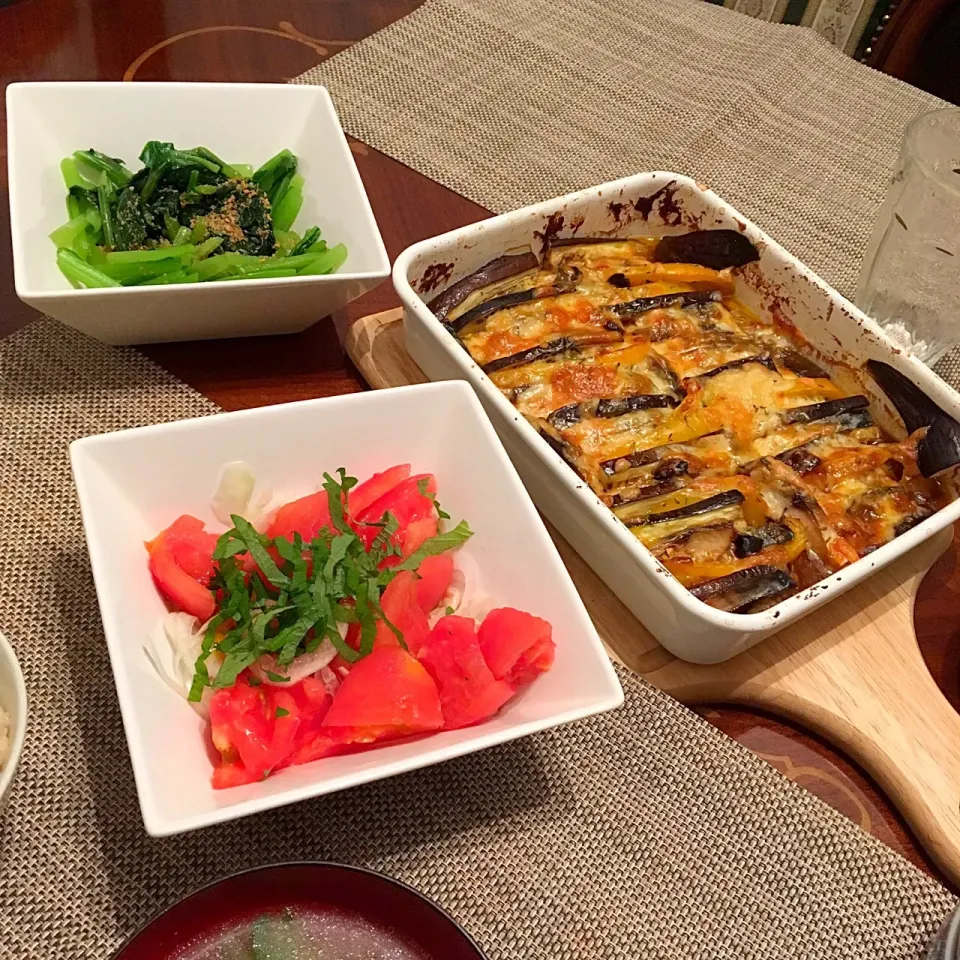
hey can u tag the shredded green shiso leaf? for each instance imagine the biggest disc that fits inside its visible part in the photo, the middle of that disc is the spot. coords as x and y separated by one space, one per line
304 590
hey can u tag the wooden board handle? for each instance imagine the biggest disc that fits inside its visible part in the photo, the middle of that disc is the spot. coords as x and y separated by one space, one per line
853 672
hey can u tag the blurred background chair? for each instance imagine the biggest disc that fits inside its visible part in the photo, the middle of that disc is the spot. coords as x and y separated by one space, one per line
915 40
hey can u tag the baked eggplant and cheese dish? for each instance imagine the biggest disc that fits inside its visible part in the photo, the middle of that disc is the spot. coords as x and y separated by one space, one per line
712 433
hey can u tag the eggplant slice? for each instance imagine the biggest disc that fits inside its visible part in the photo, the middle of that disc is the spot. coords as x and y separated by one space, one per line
800 459
851 413
763 360
913 405
607 408
697 298
503 302
566 280
801 365
728 498
738 591
542 351
717 249
492 272
769 535
940 448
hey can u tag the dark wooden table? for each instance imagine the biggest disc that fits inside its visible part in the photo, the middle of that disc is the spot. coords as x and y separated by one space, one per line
274 40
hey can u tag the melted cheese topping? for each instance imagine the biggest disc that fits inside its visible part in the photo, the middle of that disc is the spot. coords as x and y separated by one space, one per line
803 481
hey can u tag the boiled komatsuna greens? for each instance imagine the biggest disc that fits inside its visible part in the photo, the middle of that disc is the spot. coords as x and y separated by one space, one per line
186 216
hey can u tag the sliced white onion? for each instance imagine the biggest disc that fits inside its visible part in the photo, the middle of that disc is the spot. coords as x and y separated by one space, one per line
464 595
174 645
303 666
234 495
330 681
477 607
451 600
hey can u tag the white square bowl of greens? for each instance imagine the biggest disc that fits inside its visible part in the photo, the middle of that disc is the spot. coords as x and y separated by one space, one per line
134 484
153 212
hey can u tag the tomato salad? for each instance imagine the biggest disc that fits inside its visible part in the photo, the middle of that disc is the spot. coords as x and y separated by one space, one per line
336 623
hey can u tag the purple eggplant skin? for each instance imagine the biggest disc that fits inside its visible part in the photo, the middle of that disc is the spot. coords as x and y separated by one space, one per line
631 461
940 448
492 272
618 406
564 417
666 485
566 281
697 298
770 534
763 359
503 302
737 591
671 467
717 249
825 410
801 365
572 413
914 406
800 459
908 523
552 348
726 499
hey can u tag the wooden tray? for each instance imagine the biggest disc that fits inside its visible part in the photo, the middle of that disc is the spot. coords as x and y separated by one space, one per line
851 671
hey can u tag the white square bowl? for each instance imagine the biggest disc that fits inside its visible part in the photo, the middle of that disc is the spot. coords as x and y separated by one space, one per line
133 483
655 204
243 123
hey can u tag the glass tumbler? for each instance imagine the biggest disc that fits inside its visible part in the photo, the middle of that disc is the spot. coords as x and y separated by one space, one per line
910 279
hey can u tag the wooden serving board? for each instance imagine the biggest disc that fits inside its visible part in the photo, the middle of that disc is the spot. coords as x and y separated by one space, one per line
851 670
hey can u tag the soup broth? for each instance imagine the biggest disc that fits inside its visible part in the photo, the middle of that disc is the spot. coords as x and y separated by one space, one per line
303 935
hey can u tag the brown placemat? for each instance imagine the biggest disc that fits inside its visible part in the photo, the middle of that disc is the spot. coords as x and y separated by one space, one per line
643 833
512 102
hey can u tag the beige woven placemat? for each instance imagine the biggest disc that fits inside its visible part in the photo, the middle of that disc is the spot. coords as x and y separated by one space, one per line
641 834
513 101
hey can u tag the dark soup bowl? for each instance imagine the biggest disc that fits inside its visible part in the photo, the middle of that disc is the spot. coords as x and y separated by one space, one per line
304 910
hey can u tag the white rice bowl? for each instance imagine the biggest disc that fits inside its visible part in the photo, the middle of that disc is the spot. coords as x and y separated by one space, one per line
13 717
6 730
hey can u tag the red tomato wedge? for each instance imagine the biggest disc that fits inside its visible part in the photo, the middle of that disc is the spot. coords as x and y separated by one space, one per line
181 563
261 729
406 490
316 747
233 774
386 694
435 574
192 547
417 533
405 501
242 728
287 721
368 492
306 516
469 692
416 518
516 645
400 605
313 702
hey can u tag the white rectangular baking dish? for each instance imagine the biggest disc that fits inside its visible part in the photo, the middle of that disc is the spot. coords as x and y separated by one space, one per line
654 204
